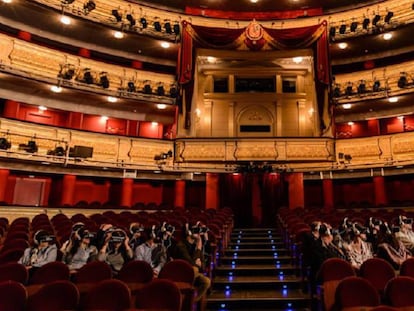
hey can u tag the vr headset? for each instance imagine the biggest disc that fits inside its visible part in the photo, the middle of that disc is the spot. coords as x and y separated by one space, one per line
407 221
199 230
47 238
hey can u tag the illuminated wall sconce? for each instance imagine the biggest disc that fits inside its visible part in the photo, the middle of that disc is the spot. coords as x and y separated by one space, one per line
117 15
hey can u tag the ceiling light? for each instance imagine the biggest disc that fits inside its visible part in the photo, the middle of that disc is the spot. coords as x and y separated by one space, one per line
350 123
297 59
211 59
161 106
165 45
400 118
154 123
56 89
387 36
393 99
118 34
343 45
7 1
112 99
254 1
42 108
65 20
346 106
104 118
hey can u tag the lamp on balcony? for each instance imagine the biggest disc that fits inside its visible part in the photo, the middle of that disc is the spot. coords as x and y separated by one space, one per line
160 90
89 6
332 31
348 90
388 17
147 87
354 26
104 81
5 144
376 19
131 87
144 23
176 28
402 81
167 27
117 15
173 91
365 23
131 20
157 26
87 76
342 29
376 86
67 71
337 90
362 87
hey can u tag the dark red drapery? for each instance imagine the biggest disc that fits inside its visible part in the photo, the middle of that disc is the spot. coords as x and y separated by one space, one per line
314 37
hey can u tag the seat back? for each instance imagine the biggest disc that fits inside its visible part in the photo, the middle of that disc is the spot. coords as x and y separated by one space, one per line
11 255
355 292
177 270
149 296
57 295
50 272
400 292
110 295
93 272
407 267
333 270
13 296
136 271
378 271
13 271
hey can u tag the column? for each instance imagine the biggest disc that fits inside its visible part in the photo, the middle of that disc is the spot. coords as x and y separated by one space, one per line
296 191
212 190
379 191
126 192
68 189
179 200
4 176
328 199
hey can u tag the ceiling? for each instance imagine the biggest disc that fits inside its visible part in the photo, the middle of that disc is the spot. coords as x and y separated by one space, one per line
260 5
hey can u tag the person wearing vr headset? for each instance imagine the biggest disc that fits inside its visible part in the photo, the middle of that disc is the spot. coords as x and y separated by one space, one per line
358 250
43 251
406 234
116 250
136 238
79 250
191 250
390 248
152 252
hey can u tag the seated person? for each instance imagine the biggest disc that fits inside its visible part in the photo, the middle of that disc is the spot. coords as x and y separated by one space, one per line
324 248
102 234
75 228
43 251
79 250
166 236
406 234
136 238
150 251
116 250
191 250
390 248
358 249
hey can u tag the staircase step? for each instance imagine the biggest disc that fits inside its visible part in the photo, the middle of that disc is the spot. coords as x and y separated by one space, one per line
257 269
243 260
255 299
263 282
257 244
257 251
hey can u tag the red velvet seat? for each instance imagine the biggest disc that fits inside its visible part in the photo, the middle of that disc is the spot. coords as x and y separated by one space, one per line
11 255
50 272
378 271
136 271
108 295
332 271
13 271
182 273
356 292
54 296
149 297
400 292
93 272
407 267
13 296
